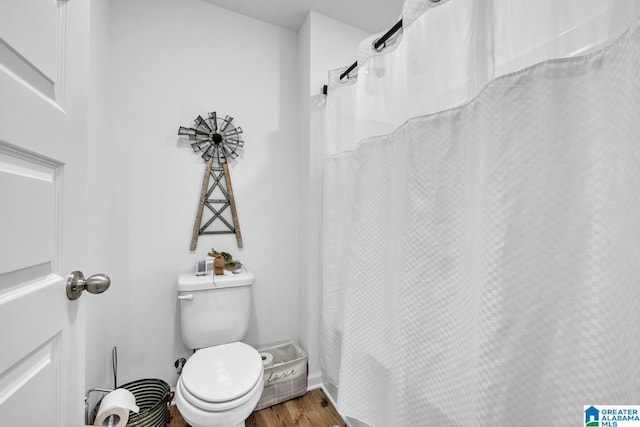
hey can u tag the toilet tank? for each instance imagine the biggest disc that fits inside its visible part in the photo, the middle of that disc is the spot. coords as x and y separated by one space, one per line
214 309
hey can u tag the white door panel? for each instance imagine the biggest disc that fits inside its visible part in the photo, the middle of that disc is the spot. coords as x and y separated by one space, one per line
29 188
32 45
39 45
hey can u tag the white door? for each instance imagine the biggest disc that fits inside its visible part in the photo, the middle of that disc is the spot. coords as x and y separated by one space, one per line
43 75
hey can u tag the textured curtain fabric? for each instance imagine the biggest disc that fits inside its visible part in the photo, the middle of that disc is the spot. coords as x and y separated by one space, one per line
481 264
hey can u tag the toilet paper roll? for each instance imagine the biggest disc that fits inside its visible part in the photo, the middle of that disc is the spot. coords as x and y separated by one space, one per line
267 360
117 403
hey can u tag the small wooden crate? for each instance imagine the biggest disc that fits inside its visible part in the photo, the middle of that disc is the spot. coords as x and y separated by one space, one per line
287 378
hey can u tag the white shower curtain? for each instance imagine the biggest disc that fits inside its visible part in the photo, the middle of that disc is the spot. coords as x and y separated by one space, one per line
481 220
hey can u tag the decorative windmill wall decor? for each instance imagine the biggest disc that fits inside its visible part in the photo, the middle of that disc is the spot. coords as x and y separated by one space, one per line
218 140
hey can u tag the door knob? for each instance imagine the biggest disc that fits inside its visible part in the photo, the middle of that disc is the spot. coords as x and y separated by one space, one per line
76 283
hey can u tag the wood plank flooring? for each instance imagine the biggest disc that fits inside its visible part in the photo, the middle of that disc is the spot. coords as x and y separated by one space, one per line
311 410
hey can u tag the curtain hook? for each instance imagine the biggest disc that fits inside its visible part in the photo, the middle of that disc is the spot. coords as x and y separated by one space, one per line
380 47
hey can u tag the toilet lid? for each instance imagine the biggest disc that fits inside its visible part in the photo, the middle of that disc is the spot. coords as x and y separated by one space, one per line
223 372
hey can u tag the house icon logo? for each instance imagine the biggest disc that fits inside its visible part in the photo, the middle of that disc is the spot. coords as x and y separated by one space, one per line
591 417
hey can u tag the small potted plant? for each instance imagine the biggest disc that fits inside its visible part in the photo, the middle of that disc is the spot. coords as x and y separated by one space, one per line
222 260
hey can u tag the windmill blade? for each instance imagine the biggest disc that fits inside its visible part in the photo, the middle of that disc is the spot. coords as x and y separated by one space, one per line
202 125
193 134
234 144
220 153
232 155
231 146
233 132
212 151
234 139
202 137
186 131
227 154
213 118
199 146
227 122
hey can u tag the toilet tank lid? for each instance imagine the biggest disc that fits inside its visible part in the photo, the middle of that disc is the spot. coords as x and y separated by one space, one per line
190 282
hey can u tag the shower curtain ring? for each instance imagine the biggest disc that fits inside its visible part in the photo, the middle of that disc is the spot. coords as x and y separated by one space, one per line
378 47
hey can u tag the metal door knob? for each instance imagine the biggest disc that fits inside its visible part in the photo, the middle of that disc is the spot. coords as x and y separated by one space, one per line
76 283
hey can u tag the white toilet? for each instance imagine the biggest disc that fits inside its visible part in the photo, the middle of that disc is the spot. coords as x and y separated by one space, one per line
222 381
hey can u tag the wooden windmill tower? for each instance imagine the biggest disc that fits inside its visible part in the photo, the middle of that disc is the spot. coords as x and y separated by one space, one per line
218 140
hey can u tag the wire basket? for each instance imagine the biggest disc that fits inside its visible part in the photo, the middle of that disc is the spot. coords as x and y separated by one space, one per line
152 397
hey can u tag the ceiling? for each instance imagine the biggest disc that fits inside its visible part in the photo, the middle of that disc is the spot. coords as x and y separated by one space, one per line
369 15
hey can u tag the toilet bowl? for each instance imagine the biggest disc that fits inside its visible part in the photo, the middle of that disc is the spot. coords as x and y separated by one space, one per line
220 385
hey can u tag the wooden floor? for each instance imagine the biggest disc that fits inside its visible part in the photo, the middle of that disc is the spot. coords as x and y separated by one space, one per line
311 410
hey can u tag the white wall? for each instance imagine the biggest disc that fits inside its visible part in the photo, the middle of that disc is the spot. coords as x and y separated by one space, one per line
155 66
158 64
323 44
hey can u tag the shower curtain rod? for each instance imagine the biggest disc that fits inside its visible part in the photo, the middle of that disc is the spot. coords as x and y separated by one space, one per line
378 45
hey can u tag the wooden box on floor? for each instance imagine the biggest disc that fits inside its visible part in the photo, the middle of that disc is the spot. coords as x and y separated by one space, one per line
286 378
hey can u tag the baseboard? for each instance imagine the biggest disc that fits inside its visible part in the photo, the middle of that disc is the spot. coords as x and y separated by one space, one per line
314 380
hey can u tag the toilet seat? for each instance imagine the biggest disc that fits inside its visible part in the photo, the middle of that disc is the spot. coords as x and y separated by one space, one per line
221 377
219 406
235 416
